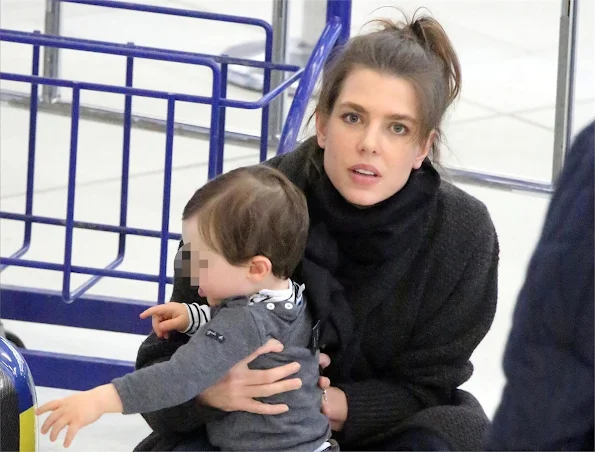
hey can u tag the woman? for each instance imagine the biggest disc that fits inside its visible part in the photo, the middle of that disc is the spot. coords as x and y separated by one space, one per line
400 267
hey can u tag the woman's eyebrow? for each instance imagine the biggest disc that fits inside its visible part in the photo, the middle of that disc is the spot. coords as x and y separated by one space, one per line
395 116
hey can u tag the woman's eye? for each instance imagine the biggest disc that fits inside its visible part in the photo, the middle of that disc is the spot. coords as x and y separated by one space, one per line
399 129
351 118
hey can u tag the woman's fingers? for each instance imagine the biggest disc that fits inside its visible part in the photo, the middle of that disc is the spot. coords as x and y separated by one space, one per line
237 390
268 390
324 360
270 346
324 383
253 406
260 377
336 426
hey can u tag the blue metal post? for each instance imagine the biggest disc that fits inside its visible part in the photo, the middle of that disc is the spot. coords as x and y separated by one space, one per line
126 154
314 68
74 126
342 10
33 107
77 373
169 147
266 87
221 146
215 130
32 143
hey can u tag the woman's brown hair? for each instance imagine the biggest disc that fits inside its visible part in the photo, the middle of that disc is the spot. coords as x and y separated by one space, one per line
417 50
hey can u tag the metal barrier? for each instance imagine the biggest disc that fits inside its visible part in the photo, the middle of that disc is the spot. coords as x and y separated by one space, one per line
251 78
335 8
273 49
72 307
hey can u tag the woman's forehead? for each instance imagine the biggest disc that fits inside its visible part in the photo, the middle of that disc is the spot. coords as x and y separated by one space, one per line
376 92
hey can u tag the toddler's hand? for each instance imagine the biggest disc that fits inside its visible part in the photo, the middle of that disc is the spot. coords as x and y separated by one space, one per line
167 317
78 411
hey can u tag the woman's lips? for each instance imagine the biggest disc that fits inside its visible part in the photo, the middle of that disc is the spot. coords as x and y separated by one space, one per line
364 174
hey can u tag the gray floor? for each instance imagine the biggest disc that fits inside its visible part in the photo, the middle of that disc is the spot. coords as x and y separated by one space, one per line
502 124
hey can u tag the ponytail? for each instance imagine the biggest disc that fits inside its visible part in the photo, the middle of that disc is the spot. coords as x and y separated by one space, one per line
433 38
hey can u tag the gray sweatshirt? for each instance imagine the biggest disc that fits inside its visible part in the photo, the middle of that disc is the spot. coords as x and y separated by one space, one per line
238 327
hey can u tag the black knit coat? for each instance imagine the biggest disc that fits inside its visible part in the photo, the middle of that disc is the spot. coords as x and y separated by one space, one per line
405 292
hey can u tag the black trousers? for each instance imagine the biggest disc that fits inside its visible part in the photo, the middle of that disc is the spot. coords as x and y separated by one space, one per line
417 439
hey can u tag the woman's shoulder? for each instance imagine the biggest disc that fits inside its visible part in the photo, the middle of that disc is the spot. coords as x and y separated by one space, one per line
462 238
463 216
297 163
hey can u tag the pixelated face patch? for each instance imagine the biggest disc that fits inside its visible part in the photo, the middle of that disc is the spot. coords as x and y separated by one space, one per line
183 265
182 261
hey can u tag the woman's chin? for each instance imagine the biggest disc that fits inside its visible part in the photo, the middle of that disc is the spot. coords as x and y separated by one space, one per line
362 198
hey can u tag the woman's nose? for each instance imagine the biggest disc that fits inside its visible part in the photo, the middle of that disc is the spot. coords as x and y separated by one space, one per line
369 142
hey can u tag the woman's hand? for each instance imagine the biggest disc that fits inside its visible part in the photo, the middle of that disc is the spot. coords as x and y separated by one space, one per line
334 405
324 382
334 400
238 389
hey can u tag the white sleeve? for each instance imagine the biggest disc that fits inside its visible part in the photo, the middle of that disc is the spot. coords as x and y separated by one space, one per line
198 315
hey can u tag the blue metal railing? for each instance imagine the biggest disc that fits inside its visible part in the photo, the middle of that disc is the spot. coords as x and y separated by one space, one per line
21 303
267 28
215 145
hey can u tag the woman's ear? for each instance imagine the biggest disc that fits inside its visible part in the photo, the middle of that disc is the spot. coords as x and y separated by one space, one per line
259 268
321 129
424 150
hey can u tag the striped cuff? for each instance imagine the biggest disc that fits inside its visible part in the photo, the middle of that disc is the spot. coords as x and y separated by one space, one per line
198 315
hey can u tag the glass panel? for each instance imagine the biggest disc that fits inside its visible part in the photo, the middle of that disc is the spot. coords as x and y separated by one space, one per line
503 122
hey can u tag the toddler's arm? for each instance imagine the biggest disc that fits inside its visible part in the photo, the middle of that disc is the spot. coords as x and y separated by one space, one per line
177 316
227 339
198 315
79 410
232 335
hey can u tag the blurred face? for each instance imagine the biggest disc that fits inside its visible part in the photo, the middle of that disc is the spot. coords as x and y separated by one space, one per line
216 277
368 139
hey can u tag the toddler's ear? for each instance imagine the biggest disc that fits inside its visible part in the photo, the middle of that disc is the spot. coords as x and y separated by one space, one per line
259 268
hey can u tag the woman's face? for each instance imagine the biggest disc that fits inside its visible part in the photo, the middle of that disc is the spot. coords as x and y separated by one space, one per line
368 138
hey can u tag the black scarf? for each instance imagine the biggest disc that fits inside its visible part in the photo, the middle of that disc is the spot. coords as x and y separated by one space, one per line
356 258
